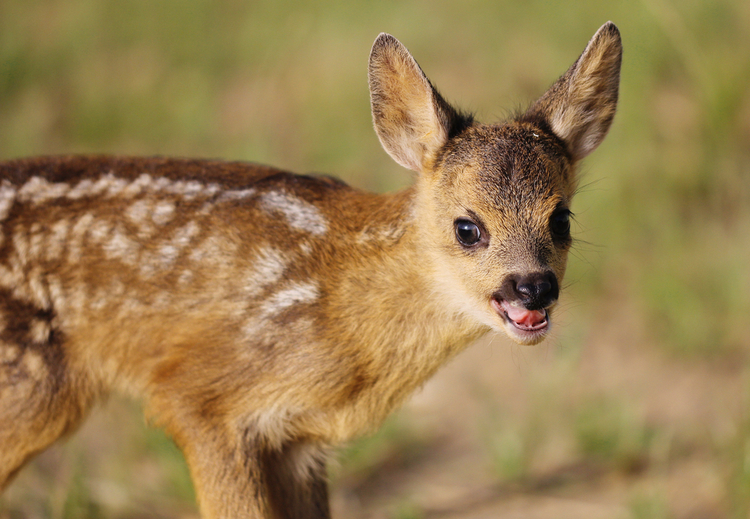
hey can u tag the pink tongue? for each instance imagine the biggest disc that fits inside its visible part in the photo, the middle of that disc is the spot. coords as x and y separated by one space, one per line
524 317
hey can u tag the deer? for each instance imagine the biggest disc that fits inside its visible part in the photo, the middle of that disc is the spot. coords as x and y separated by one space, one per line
265 317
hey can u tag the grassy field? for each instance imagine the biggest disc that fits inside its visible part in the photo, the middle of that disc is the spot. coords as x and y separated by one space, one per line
638 407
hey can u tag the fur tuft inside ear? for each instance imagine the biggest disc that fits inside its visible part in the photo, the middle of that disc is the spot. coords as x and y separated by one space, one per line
580 106
411 118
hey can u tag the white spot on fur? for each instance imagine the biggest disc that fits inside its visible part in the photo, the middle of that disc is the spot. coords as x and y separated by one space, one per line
187 189
38 190
237 194
121 247
180 240
226 196
116 186
297 293
138 211
15 278
9 353
110 186
21 243
159 184
138 185
56 293
299 214
11 277
38 289
77 234
6 277
36 241
32 361
39 331
107 185
185 234
163 212
80 190
57 238
7 198
167 254
99 231
267 269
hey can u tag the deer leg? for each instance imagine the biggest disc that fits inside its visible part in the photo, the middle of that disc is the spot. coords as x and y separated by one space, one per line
40 400
296 479
227 475
239 478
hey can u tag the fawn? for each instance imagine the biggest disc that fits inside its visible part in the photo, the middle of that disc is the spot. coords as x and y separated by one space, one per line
264 316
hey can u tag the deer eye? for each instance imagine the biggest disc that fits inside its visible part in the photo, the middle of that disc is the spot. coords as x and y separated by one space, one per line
559 224
467 232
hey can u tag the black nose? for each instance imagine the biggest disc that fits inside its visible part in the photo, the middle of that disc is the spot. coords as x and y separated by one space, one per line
534 291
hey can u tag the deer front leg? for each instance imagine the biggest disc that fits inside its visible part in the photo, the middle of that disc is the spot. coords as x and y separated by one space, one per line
241 478
296 481
228 479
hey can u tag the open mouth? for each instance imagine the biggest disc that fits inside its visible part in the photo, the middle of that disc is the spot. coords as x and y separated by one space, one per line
523 319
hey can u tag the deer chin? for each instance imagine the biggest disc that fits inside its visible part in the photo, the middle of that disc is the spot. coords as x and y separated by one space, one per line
525 326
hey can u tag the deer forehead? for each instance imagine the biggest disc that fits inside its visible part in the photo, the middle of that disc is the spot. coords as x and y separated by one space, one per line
506 169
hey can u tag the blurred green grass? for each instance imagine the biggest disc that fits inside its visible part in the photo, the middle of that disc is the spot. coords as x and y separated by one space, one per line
662 218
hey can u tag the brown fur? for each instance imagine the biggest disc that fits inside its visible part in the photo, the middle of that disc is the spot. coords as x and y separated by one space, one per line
265 316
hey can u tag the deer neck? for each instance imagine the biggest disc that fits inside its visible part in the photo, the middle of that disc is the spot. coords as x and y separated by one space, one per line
392 315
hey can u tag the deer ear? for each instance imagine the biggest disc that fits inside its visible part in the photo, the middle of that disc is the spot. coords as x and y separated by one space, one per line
411 119
580 106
